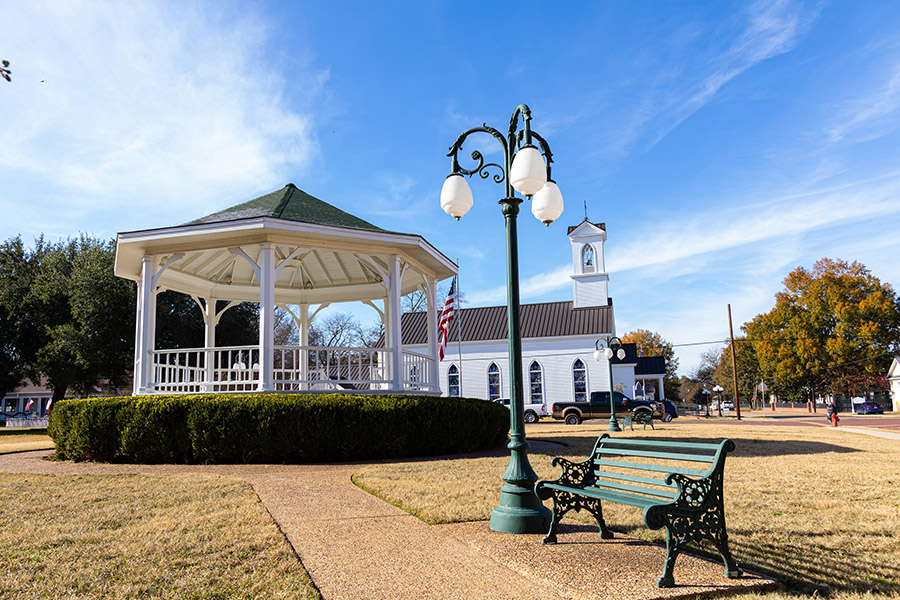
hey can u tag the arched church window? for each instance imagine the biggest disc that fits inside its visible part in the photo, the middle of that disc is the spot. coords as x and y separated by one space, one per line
579 380
587 259
453 381
493 382
536 383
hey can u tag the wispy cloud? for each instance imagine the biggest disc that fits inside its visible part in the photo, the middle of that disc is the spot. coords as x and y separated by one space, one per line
534 286
661 253
873 115
683 83
715 231
156 105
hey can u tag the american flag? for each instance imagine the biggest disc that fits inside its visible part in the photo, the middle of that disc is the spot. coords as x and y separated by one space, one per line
446 317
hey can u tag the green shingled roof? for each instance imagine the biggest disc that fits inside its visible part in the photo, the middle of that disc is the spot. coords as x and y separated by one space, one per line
291 204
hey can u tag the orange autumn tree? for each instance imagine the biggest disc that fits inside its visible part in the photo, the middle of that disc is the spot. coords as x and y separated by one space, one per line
650 343
834 329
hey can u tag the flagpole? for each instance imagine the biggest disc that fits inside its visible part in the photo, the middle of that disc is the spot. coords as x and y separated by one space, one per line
458 327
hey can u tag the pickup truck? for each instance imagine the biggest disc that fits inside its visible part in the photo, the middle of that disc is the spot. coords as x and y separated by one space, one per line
574 413
533 411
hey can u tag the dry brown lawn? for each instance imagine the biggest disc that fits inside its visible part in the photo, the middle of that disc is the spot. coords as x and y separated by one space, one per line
130 536
817 508
23 440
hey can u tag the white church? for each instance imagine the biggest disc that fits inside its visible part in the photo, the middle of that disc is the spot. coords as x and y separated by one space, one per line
557 340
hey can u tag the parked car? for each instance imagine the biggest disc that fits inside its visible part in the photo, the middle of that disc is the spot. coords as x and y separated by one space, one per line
597 407
533 410
727 405
869 408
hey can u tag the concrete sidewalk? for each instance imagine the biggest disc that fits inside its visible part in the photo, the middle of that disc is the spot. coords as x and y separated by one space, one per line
355 546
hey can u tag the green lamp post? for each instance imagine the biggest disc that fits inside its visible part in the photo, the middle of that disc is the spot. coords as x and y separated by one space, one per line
524 171
611 346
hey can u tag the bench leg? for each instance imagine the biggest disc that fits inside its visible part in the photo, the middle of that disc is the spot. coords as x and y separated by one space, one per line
563 502
732 571
674 544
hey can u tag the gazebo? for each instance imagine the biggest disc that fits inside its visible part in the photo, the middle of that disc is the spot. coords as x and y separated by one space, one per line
294 251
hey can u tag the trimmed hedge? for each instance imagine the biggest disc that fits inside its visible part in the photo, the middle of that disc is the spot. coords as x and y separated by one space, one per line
272 428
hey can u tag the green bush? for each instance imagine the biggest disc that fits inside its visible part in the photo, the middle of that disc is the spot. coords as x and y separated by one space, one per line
272 428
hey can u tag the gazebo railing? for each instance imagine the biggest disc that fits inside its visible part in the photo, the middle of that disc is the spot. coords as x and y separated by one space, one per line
416 371
310 368
195 370
296 368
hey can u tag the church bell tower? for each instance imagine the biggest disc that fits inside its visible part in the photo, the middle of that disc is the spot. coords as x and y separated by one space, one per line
589 277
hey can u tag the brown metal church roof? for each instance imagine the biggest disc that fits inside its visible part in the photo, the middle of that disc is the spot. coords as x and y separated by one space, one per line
545 319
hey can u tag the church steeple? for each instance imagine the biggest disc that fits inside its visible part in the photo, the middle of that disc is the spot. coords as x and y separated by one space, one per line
589 276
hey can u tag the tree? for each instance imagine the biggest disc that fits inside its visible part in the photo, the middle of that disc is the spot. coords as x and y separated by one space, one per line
79 314
747 369
17 333
179 323
417 301
833 329
5 72
650 343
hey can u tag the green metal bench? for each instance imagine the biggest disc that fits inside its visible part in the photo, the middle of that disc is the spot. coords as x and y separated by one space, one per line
688 502
641 416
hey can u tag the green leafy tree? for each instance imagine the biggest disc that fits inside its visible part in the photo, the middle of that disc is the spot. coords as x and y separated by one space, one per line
179 323
747 369
650 343
833 329
87 314
22 334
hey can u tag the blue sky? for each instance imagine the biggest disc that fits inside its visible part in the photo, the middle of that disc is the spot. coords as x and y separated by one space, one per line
723 144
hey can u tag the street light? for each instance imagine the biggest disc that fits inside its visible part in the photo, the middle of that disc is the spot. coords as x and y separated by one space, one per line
762 395
705 393
523 170
718 390
612 347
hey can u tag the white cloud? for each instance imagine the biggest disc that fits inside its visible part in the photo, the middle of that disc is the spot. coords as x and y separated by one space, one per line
871 116
144 105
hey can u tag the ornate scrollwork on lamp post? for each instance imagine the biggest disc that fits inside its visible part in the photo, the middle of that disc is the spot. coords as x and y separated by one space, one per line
608 348
525 171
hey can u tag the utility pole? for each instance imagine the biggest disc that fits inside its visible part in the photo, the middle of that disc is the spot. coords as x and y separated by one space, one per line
737 401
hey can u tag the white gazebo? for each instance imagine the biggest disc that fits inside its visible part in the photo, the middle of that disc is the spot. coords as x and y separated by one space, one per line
291 250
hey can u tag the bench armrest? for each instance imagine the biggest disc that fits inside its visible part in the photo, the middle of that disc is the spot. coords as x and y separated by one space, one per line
573 474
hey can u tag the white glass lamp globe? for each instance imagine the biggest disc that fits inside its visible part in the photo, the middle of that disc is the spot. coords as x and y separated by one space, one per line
608 353
598 354
528 173
621 354
547 204
456 196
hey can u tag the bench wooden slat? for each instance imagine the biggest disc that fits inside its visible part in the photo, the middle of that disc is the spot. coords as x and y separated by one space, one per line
602 494
649 467
660 455
668 494
634 478
687 445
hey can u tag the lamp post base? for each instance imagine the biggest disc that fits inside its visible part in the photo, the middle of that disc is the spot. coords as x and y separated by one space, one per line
613 424
520 511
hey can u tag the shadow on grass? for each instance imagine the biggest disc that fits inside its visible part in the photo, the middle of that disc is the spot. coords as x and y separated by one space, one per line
816 567
581 446
23 431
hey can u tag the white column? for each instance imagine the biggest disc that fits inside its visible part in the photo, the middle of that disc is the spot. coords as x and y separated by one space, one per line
266 316
432 321
138 353
145 343
210 320
303 356
662 392
396 342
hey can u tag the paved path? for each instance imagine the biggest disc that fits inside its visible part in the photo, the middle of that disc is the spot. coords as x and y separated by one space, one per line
355 546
